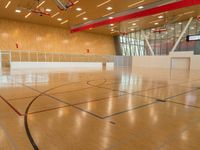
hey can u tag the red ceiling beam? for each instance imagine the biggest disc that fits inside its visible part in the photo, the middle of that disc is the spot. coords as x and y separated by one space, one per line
148 12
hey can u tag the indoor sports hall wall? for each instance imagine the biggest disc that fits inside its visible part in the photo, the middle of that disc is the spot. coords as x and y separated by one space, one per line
25 36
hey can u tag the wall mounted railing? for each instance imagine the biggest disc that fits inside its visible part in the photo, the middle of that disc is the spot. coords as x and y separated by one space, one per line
38 56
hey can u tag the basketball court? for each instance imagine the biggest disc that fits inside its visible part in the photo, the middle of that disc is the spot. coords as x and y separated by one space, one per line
99 75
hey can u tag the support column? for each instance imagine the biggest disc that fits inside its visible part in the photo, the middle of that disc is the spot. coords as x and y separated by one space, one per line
182 33
148 44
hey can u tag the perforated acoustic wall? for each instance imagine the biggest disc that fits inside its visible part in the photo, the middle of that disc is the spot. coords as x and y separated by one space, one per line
27 36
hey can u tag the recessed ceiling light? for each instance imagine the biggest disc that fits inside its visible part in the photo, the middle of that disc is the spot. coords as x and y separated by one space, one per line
59 19
80 14
109 8
134 24
18 11
108 14
103 3
85 18
131 5
110 17
160 17
28 15
76 2
48 10
78 9
9 2
156 23
111 25
132 29
55 15
140 7
180 23
64 22
41 4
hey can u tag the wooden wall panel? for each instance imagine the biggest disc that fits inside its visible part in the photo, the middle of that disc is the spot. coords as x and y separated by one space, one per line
51 39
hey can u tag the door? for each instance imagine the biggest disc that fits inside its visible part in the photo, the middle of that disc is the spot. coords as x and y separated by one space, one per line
5 60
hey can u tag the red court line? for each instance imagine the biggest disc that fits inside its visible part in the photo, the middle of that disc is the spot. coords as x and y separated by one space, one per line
18 99
47 109
22 98
11 106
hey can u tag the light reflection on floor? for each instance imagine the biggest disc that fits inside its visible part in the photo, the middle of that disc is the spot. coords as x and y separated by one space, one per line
100 109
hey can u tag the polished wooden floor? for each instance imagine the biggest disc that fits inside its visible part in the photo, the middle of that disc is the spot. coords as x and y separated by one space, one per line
119 109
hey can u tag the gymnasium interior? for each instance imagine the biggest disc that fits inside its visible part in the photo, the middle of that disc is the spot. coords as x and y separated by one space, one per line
99 74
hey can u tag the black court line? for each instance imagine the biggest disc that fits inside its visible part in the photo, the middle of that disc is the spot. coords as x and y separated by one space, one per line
160 87
178 84
27 110
165 99
11 106
93 114
85 102
97 86
29 135
147 97
49 109
131 109
184 104
194 89
106 88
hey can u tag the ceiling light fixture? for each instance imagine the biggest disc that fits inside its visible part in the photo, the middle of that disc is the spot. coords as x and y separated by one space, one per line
64 22
55 15
80 14
131 5
48 10
41 4
110 17
103 3
108 14
111 25
109 8
160 17
134 24
9 2
85 18
27 15
59 19
156 23
133 21
76 2
18 11
78 9
140 7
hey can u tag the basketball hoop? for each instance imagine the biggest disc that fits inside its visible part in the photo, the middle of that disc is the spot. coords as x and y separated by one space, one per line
64 4
160 30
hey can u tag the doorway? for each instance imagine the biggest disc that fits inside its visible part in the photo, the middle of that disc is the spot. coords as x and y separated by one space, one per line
5 60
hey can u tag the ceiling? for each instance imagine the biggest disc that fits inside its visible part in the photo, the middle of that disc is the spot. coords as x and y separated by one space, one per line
91 9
